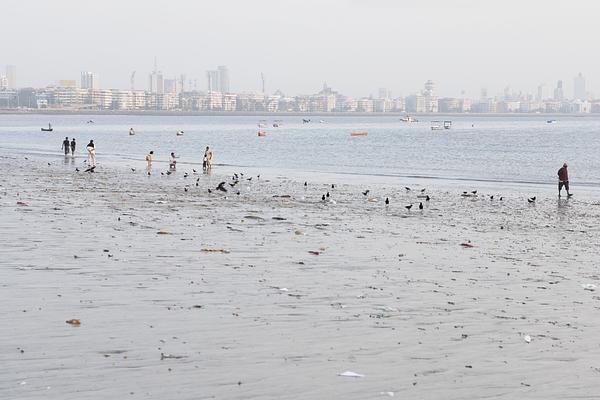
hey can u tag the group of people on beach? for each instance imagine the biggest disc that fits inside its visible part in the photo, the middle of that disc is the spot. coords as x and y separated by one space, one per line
69 146
206 163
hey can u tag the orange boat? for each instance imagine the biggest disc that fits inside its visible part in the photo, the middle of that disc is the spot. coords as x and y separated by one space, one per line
359 133
262 133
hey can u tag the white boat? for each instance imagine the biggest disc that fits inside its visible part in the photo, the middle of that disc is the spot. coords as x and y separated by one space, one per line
179 133
278 123
447 124
551 121
408 118
437 126
131 132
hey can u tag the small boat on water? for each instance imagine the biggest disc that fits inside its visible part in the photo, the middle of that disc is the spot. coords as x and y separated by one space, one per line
359 133
48 129
305 121
447 124
179 133
551 121
408 118
262 134
278 123
131 132
436 125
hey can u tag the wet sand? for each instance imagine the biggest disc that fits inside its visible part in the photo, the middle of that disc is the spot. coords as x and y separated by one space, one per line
191 295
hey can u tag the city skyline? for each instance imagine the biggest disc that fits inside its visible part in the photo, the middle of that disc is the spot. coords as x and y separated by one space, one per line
354 46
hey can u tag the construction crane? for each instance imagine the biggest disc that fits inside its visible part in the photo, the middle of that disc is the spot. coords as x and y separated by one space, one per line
132 80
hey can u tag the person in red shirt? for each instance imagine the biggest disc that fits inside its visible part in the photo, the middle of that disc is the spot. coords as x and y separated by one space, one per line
563 180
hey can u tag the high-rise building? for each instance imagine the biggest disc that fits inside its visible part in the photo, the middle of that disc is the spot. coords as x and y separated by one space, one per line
559 94
157 84
223 79
579 92
212 78
89 80
384 93
11 76
540 93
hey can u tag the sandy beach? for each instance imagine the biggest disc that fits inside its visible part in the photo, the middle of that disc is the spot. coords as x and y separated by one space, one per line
275 294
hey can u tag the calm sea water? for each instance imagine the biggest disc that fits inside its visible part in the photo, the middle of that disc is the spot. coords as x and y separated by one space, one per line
496 149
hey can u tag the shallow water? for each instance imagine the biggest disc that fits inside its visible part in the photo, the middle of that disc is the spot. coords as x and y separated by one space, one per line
498 149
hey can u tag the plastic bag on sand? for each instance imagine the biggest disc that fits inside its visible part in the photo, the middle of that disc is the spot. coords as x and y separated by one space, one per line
350 374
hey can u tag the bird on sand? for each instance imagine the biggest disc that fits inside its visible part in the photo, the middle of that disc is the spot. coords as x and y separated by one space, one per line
197 184
387 201
209 191
305 184
408 207
501 198
238 193
76 169
420 206
323 198
169 172
422 190
366 192
221 187
427 198
249 179
149 173
132 169
407 188
90 169
186 189
327 195
185 174
194 170
332 186
162 173
474 192
531 200
492 197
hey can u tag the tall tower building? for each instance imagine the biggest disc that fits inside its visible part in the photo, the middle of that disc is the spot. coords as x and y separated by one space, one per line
89 80
540 93
212 80
157 84
11 76
223 79
559 94
579 92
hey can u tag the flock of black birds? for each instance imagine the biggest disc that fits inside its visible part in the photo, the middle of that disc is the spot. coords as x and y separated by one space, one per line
238 177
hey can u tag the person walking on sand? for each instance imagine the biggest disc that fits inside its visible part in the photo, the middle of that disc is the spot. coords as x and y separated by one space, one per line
149 159
91 149
563 180
66 146
73 145
172 161
208 156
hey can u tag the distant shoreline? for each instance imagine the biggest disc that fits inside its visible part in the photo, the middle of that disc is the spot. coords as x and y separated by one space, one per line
282 114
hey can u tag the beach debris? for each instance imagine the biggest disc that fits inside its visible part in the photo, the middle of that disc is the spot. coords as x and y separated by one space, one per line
588 286
350 374
279 218
467 245
164 356
163 232
197 306
527 338
211 250
73 322
21 203
314 252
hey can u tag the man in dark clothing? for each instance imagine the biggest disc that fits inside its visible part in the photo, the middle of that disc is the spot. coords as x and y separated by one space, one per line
563 180
66 146
73 145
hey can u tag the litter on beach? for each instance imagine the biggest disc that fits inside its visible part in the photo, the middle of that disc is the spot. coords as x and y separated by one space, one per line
588 286
209 250
74 322
527 338
350 374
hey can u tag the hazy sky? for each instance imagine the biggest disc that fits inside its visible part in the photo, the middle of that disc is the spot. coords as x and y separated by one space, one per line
356 46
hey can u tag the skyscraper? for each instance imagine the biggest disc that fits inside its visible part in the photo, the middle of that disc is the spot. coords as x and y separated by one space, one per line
223 78
559 94
157 84
579 92
212 78
89 80
540 93
11 76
